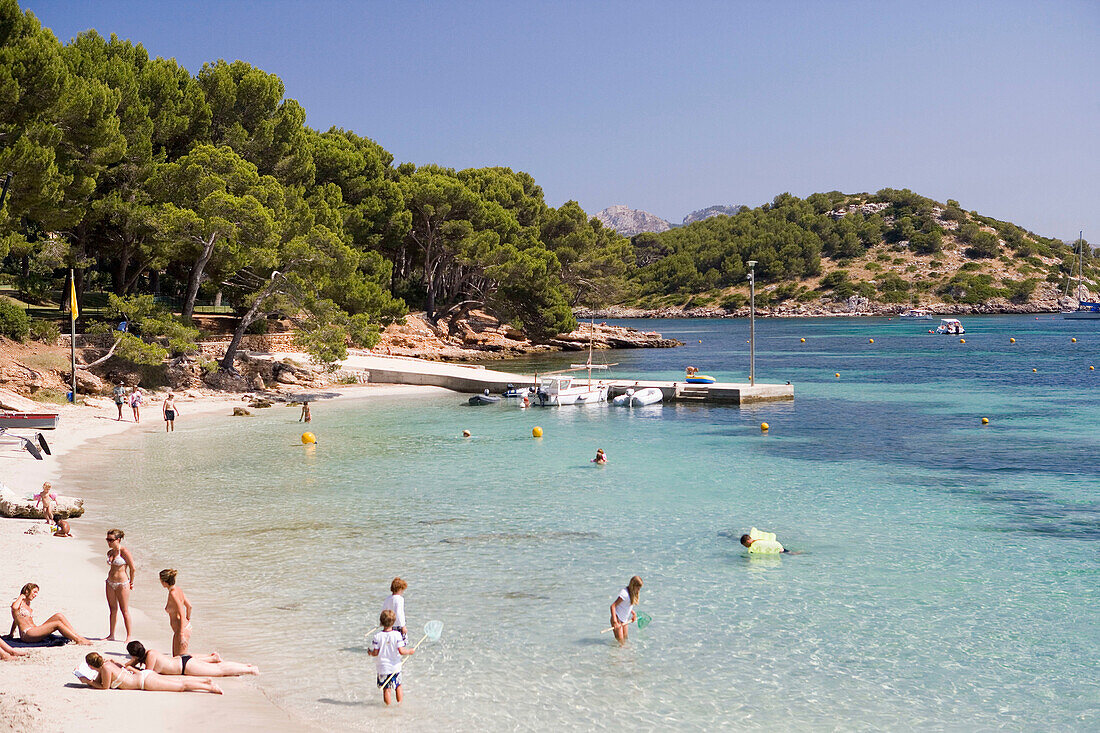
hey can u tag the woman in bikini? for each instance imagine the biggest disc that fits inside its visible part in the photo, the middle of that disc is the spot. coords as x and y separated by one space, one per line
178 609
198 665
23 617
113 676
120 581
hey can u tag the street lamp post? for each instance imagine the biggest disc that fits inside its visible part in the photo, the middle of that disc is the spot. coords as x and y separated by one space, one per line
752 322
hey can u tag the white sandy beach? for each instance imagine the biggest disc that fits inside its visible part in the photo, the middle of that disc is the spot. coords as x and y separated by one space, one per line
39 692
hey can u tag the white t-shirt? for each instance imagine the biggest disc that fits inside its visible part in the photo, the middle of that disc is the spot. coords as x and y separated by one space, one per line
624 607
387 643
396 603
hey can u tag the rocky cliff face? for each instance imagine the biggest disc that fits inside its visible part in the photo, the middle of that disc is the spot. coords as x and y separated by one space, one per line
718 210
628 221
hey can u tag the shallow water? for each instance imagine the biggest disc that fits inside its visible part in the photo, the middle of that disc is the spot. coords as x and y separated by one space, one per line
948 576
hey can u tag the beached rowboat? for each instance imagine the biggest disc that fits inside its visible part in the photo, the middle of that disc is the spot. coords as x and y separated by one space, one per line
29 420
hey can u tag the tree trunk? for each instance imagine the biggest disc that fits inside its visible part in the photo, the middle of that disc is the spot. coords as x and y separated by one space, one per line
195 277
154 281
120 271
226 362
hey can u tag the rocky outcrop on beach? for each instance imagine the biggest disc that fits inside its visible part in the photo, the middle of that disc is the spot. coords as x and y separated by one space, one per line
14 506
718 210
628 221
479 336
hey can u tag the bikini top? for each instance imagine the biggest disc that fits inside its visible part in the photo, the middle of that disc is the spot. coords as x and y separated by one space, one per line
118 559
23 612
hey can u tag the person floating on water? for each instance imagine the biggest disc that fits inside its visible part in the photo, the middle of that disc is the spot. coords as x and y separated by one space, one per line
396 603
601 457
762 543
389 646
622 608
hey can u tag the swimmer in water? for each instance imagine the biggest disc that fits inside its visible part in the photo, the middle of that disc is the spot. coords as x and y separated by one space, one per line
601 457
747 541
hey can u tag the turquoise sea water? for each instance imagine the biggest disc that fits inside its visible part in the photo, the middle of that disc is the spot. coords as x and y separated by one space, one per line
950 575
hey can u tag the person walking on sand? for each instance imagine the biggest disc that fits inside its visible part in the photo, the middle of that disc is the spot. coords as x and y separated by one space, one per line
23 618
46 498
622 608
170 411
113 676
305 417
136 398
120 398
198 665
396 603
389 646
120 581
178 609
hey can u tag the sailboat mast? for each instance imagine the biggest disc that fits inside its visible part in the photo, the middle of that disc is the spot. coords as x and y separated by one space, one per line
1080 262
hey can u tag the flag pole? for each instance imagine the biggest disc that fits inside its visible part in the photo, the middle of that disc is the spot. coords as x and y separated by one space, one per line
72 330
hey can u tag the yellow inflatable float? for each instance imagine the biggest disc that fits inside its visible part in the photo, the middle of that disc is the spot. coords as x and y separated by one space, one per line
761 543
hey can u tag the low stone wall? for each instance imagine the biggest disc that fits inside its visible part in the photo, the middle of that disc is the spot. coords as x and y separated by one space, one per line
250 342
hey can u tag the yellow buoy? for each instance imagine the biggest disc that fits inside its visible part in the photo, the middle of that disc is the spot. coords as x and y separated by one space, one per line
1092 368
1012 341
1073 341
536 432
308 438
837 375
985 421
1034 370
962 341
764 426
803 340
870 341
465 433
700 340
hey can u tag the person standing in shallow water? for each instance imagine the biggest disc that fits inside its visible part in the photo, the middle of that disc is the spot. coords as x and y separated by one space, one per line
622 608
170 412
120 398
305 417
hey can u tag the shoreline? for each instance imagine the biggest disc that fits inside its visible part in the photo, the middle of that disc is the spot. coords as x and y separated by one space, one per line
39 691
800 310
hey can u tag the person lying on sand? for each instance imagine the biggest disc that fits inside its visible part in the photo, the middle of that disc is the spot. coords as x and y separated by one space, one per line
23 617
197 665
7 653
112 676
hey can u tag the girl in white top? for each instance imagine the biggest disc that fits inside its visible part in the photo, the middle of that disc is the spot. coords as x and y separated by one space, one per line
396 603
622 608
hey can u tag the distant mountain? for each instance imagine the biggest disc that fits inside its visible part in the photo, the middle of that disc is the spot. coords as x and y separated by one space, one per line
710 211
628 221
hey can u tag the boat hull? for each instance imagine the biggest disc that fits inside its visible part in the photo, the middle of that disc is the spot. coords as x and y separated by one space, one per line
648 396
1082 315
29 420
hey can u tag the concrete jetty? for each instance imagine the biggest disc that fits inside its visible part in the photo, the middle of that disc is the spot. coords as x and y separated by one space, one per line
474 379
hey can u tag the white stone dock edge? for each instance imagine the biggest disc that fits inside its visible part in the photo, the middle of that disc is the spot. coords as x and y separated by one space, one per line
474 379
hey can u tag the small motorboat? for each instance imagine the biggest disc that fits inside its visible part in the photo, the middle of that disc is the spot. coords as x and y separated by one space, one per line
951 326
647 396
484 399
29 420
623 400
513 393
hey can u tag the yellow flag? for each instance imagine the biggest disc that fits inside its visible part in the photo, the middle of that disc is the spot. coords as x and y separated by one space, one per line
73 308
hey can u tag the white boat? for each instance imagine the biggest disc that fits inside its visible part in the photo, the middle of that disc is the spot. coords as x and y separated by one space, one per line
623 400
647 396
565 390
951 325
916 313
1086 310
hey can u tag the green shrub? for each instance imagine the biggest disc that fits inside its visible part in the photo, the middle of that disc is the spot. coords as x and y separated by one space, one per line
45 331
14 321
1019 291
735 301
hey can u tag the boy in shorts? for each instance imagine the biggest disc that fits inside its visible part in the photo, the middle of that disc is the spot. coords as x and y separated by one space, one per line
389 646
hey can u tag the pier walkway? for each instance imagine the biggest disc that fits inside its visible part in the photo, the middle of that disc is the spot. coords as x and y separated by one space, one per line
474 379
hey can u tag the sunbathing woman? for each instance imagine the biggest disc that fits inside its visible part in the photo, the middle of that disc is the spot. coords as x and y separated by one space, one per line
8 653
30 631
112 676
178 609
210 665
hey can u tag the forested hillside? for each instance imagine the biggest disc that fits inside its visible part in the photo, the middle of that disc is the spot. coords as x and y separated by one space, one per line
892 247
210 188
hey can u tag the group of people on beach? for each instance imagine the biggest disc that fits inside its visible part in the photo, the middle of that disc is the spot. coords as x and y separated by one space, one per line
135 398
146 669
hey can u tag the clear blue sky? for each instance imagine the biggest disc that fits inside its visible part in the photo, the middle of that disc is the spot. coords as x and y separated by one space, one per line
674 106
